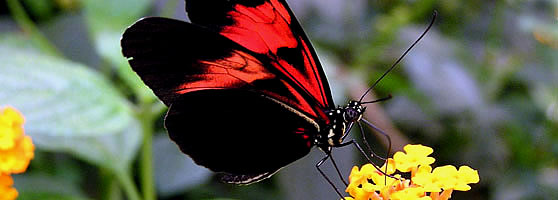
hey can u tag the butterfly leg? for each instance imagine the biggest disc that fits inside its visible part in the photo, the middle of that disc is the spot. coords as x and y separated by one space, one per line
347 131
338 172
354 143
325 176
369 148
381 132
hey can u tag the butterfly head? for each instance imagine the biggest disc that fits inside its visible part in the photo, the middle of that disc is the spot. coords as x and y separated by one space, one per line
353 111
339 119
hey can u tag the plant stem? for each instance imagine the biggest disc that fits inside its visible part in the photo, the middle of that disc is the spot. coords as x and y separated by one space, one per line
146 161
110 188
128 185
23 20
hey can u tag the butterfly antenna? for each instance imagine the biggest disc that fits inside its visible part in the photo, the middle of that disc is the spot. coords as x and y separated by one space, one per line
401 57
378 100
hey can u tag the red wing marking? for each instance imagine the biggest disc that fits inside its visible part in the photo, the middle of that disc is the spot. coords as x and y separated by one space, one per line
266 29
310 65
262 29
238 70
304 132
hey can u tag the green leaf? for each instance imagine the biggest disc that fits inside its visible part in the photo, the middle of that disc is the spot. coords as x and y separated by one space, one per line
42 186
60 98
18 40
112 151
69 107
47 196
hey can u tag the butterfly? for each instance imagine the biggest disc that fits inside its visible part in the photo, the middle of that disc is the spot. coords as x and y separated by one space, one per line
246 92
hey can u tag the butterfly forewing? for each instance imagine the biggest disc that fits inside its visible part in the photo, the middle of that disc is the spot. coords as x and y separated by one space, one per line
268 28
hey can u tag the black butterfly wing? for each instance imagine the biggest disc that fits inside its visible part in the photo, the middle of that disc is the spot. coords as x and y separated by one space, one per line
228 109
249 136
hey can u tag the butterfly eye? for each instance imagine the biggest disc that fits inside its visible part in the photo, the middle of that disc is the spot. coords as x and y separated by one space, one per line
350 114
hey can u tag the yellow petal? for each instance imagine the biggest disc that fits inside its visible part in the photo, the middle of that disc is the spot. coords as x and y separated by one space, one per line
418 149
468 175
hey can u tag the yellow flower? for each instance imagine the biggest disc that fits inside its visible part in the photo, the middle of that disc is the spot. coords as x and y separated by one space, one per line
16 148
369 183
427 180
415 155
379 178
16 160
448 177
466 175
410 194
359 187
7 192
11 123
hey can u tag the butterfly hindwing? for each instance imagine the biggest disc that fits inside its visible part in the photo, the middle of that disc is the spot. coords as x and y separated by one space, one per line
238 132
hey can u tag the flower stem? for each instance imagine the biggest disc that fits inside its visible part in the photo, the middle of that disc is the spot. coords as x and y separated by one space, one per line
446 194
435 195
128 185
23 20
146 161
110 188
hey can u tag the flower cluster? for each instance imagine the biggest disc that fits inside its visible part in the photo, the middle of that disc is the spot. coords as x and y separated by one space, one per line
16 150
425 183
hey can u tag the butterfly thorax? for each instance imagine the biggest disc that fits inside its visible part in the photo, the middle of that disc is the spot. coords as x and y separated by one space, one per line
341 117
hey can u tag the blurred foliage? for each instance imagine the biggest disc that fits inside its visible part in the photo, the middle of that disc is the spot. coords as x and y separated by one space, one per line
481 88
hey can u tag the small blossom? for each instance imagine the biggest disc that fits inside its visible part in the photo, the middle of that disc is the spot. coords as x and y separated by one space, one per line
427 180
7 192
425 183
11 129
16 150
16 160
466 175
415 155
410 194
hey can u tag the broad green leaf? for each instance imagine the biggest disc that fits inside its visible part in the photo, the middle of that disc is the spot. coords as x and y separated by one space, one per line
60 98
18 40
113 151
47 196
42 186
69 107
